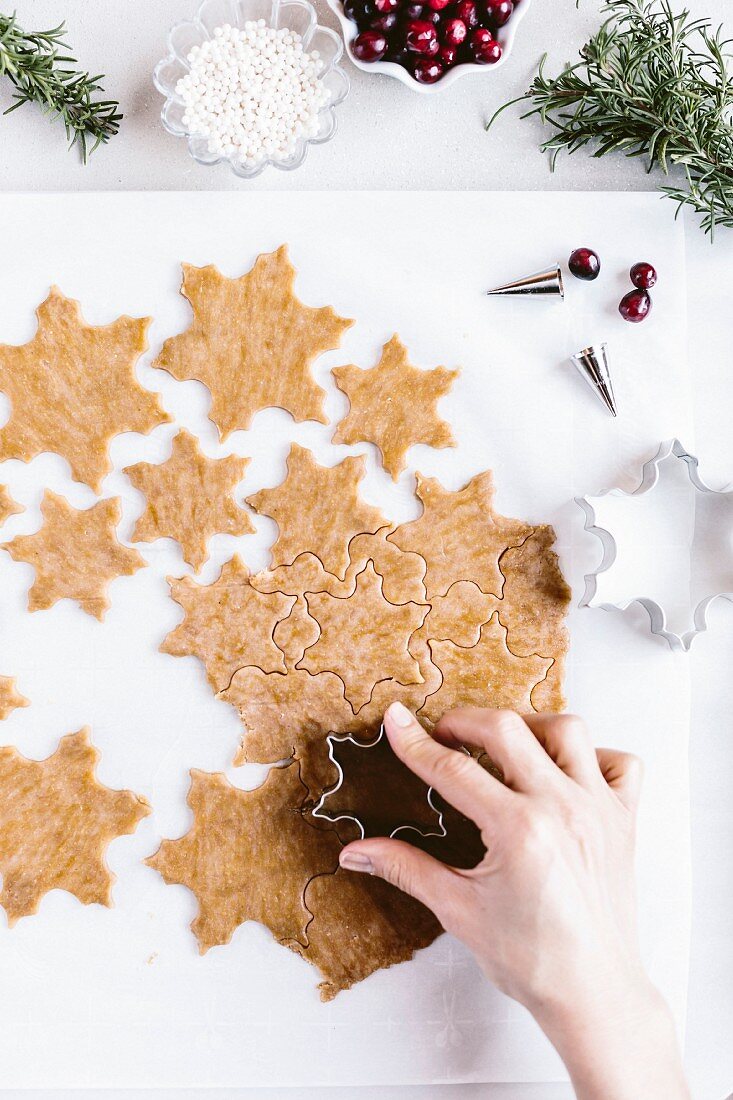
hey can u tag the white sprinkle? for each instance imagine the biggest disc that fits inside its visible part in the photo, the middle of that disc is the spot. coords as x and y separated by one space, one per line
252 92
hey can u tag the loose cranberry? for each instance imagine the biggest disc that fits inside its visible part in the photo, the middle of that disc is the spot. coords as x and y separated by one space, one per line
488 54
369 46
420 37
635 306
584 264
499 12
413 11
643 276
385 24
448 56
426 71
467 11
433 17
438 5
480 38
454 32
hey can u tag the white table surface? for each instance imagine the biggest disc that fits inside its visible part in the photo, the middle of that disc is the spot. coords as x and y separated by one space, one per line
390 138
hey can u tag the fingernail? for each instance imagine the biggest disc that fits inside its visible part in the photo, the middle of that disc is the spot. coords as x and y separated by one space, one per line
399 714
355 861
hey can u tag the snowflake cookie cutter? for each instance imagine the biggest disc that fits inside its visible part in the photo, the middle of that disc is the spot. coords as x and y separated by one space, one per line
318 809
650 471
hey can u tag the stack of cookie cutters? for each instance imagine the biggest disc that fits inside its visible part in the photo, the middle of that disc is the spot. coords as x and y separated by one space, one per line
670 450
321 810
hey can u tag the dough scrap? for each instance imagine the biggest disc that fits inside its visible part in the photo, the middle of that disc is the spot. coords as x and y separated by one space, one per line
318 507
8 506
459 535
75 554
252 342
56 821
361 924
248 856
296 633
73 387
402 573
378 790
377 633
306 574
10 698
394 405
189 498
227 624
535 603
487 675
459 615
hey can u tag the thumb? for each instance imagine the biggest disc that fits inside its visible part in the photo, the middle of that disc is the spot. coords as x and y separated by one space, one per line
404 866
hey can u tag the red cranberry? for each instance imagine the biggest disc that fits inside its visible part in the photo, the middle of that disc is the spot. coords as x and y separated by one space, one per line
635 306
467 11
413 11
448 56
426 71
433 17
360 11
385 24
454 32
488 53
385 6
584 264
499 12
369 46
643 276
420 37
438 5
480 38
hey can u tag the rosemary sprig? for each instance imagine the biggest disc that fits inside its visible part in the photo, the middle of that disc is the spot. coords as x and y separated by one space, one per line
653 84
33 63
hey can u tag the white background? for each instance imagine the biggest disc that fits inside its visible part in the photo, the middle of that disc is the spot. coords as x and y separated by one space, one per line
391 138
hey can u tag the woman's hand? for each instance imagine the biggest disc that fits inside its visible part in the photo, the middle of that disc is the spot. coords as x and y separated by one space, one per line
549 913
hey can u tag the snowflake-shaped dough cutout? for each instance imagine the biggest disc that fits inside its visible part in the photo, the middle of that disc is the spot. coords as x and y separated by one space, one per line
394 405
8 506
75 554
189 498
252 342
249 855
56 822
73 387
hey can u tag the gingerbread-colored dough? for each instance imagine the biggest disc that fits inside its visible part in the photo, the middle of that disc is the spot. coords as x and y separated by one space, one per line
394 406
535 603
189 498
459 615
75 554
8 506
227 624
10 698
403 574
361 924
459 535
378 790
317 508
487 675
296 633
73 387
252 342
56 821
378 633
249 855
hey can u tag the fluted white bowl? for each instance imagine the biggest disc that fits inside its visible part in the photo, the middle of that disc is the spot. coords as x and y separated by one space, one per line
296 15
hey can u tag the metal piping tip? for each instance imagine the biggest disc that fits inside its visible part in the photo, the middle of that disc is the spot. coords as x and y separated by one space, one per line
544 282
592 364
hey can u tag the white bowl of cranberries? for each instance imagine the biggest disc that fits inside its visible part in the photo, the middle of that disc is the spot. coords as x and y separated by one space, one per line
428 44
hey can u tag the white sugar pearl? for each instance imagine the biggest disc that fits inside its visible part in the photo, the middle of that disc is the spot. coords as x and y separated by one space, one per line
253 92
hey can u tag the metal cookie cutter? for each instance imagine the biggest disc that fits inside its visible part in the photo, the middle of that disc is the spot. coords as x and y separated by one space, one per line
320 811
672 448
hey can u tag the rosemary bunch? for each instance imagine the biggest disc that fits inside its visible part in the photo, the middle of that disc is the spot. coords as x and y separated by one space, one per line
38 71
653 84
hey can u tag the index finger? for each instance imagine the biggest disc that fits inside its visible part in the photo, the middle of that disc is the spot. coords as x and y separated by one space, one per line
457 777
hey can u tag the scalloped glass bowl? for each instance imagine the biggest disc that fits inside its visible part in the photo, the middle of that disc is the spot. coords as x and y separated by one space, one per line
390 68
296 15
